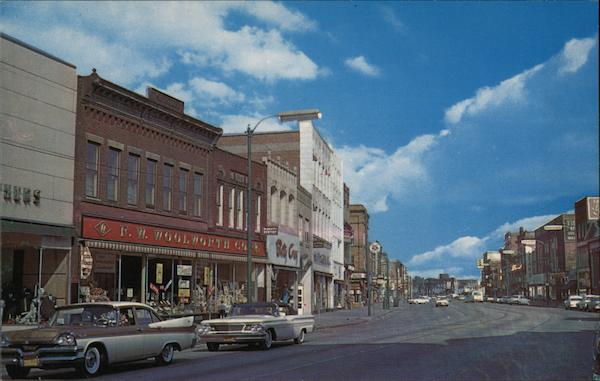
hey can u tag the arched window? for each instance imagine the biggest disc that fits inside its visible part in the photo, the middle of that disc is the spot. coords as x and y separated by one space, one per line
291 212
273 213
283 208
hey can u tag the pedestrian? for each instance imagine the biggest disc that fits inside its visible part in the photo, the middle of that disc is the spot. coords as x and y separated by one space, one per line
222 309
46 307
285 294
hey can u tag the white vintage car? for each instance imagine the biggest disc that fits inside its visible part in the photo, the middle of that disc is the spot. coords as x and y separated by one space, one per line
90 336
256 323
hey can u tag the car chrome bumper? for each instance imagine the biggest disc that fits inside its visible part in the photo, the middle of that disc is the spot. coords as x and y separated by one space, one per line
43 357
233 337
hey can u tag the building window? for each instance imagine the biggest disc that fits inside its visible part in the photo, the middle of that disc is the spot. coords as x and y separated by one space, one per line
283 205
133 173
150 183
240 210
257 227
230 206
197 194
184 175
167 187
91 169
112 181
220 206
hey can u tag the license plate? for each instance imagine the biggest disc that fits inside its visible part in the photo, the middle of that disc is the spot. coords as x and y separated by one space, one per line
31 363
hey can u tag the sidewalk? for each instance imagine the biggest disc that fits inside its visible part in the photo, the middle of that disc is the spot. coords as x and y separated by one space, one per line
358 315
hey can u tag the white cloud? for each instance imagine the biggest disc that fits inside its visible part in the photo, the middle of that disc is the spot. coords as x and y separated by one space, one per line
214 92
511 90
361 65
238 123
575 54
150 32
467 249
374 176
463 247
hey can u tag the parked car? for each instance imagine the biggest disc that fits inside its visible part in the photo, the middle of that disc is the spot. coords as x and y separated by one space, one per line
594 305
519 299
571 301
504 299
89 336
256 323
418 300
441 301
477 296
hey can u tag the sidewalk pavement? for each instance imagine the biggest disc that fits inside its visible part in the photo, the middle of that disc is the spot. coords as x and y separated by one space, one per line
343 317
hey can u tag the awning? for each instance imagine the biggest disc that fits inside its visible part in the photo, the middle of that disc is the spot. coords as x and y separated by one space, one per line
167 251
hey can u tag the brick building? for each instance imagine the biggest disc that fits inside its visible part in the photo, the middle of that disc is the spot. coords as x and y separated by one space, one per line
159 210
359 220
588 244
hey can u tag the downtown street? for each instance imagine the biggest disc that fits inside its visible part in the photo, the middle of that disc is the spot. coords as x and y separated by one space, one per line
409 342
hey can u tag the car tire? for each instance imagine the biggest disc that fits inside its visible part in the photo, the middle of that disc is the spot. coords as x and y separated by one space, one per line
15 371
166 355
93 362
300 338
212 347
267 343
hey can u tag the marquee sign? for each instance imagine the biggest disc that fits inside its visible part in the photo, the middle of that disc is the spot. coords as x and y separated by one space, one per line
111 230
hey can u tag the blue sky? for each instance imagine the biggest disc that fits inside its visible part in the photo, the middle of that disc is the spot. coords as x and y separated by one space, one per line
457 121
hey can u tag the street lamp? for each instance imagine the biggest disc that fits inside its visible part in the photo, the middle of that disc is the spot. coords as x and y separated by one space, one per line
287 116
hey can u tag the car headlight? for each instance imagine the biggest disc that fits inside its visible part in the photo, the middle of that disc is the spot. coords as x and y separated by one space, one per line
204 329
254 327
66 339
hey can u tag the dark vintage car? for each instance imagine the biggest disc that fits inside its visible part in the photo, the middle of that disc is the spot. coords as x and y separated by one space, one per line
92 335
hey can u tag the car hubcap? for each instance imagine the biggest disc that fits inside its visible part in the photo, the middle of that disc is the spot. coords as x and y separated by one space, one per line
167 353
92 360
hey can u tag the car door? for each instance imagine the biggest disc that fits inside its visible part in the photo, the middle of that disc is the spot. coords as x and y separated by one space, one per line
153 338
129 344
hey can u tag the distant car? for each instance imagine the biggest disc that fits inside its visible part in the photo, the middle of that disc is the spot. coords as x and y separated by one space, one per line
504 299
594 305
571 301
462 297
256 323
89 336
441 301
519 299
469 298
421 300
477 296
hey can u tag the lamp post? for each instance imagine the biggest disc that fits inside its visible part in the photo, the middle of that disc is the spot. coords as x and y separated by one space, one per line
287 116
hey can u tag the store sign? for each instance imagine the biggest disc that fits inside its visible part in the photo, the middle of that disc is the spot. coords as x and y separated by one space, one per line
271 230
593 208
322 260
86 262
282 249
159 273
184 270
111 230
18 194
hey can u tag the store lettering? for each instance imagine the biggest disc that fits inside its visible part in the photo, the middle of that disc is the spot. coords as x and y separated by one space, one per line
123 231
141 233
283 251
19 194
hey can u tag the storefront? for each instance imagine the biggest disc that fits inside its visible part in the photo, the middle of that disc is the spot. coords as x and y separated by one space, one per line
284 266
175 271
322 275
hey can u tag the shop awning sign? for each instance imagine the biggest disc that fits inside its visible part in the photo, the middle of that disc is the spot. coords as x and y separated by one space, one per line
271 230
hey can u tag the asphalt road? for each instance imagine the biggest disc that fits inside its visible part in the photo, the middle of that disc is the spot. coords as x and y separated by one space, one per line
411 342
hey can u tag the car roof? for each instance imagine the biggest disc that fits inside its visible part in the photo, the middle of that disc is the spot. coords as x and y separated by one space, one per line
109 304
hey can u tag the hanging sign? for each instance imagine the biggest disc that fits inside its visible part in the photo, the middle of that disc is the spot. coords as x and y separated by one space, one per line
159 273
86 262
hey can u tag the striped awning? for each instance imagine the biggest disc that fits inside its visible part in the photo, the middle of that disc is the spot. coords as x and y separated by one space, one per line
167 251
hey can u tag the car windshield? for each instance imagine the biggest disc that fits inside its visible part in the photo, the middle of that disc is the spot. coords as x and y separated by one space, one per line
249 309
99 316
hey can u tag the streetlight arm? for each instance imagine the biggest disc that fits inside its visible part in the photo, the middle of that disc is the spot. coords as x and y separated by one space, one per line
259 122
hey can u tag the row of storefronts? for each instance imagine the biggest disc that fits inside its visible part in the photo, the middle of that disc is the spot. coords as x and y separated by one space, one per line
137 203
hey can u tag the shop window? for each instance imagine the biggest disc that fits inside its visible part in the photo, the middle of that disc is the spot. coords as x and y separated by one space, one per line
184 175
198 194
258 208
112 181
220 206
91 169
230 207
150 183
167 187
133 173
